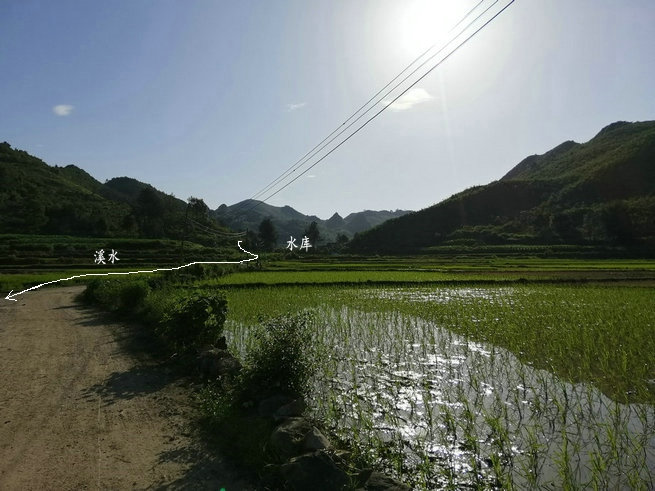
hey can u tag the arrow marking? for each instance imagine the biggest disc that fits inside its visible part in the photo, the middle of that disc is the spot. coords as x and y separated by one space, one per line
253 258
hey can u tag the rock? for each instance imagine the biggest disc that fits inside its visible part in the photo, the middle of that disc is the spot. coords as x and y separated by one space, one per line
381 482
342 456
221 343
292 409
315 471
288 439
228 365
214 362
271 476
295 436
270 405
314 440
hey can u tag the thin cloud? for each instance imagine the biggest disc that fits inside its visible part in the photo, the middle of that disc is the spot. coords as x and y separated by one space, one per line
410 99
62 109
295 107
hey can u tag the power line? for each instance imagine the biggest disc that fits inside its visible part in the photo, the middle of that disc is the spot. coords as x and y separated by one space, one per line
311 153
394 88
389 104
212 231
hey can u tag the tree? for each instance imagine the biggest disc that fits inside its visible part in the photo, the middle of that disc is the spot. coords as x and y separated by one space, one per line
198 209
618 223
313 234
149 204
150 210
267 234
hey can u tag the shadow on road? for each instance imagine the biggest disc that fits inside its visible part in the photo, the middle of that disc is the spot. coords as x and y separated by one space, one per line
150 374
137 381
147 376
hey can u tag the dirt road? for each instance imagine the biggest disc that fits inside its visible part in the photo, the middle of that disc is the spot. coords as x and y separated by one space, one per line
80 410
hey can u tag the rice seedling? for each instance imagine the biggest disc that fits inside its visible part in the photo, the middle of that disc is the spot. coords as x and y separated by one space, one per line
498 386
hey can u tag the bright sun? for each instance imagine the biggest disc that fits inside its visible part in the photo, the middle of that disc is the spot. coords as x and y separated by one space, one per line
425 22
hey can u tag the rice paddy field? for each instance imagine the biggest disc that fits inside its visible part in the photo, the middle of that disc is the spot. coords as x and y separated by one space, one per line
478 385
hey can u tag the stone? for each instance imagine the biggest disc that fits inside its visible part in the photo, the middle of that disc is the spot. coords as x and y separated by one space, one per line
228 365
288 439
221 343
314 440
214 362
381 482
315 471
268 407
293 409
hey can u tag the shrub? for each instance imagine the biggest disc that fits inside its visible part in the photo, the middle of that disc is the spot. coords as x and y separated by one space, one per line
132 294
195 320
183 321
117 294
280 358
104 292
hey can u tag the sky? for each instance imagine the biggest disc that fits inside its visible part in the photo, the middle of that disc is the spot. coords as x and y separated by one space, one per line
216 99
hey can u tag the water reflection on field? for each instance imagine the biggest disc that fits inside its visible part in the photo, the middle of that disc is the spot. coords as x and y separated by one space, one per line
443 411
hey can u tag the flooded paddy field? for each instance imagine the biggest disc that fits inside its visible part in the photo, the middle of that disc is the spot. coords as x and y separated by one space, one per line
529 386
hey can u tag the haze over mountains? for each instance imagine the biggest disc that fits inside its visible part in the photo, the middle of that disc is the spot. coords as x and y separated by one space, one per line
248 214
599 192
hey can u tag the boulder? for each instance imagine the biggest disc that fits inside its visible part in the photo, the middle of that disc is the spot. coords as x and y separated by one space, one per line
315 471
293 409
314 440
288 439
215 362
295 436
268 407
377 481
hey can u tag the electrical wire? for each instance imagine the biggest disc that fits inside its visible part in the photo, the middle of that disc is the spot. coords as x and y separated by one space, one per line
396 97
212 231
311 153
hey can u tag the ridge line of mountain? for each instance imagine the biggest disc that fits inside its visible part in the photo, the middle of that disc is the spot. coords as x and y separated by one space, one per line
601 192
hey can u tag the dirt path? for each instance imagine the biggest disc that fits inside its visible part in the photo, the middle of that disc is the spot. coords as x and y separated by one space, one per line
79 411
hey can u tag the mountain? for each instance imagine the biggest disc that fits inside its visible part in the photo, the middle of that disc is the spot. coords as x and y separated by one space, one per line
248 214
599 192
36 198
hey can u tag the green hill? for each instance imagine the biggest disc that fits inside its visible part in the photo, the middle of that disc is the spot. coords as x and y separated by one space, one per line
36 198
600 193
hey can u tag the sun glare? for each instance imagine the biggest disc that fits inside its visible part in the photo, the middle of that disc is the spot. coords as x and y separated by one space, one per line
425 22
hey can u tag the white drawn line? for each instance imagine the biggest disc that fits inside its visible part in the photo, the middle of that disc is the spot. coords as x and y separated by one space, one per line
254 257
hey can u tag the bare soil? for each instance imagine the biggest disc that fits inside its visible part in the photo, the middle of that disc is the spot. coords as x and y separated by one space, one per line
83 407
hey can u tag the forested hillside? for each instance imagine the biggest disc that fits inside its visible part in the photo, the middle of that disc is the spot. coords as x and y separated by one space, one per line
36 198
601 192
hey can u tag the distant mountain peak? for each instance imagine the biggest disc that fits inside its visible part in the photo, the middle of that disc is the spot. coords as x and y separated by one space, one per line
612 127
289 221
335 220
534 163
